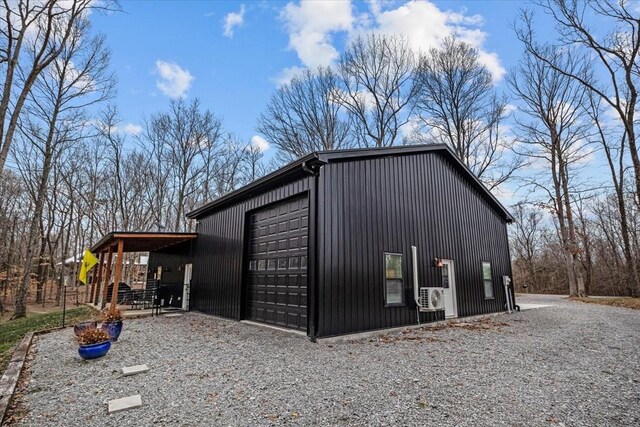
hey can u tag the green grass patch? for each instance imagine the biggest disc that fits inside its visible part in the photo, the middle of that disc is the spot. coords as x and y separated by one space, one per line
12 331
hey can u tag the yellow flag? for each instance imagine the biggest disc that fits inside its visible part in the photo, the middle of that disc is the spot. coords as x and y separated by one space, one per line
88 261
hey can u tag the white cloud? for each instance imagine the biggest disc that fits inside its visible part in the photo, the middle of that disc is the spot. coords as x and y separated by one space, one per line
310 25
492 62
425 26
287 74
260 143
505 194
412 132
73 78
233 20
510 108
131 129
174 81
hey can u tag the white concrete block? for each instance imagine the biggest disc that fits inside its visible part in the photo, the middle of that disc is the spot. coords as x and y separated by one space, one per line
524 307
132 370
125 403
173 315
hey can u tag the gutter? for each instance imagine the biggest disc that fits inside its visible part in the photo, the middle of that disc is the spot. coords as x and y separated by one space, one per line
305 163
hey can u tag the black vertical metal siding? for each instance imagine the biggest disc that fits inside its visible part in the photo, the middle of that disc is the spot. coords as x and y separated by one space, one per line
388 204
216 283
172 259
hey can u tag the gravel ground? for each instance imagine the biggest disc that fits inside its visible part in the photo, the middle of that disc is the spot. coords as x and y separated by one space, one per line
572 364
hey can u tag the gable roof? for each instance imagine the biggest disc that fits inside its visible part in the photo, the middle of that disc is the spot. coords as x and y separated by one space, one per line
308 162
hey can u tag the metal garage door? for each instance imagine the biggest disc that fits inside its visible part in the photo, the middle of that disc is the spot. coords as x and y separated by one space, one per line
277 277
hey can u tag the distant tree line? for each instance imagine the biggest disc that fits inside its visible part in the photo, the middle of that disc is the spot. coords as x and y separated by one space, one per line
70 170
71 173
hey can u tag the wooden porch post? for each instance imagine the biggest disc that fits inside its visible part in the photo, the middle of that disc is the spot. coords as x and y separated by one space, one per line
107 277
95 292
88 290
116 279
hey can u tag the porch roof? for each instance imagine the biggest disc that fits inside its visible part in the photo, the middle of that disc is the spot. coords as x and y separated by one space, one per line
140 241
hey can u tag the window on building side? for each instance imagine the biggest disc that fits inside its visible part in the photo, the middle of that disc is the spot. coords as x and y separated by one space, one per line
487 280
393 283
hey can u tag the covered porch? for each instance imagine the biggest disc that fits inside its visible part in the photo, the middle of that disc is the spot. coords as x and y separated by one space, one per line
110 251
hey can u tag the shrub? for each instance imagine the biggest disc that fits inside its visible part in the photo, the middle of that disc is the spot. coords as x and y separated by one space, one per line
111 315
93 336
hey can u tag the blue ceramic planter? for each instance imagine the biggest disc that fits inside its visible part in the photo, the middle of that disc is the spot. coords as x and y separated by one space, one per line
113 328
81 327
93 351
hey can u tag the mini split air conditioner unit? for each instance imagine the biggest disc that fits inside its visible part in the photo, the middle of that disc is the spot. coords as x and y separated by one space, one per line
431 299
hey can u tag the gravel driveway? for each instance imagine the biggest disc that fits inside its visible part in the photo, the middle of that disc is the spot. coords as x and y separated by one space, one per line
572 364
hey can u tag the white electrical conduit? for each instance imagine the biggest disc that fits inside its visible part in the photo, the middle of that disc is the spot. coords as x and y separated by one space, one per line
416 286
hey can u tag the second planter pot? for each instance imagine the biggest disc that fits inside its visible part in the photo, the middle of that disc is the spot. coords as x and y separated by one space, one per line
113 328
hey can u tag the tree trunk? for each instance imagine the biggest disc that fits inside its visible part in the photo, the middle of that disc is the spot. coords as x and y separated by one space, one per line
20 297
572 247
557 173
42 268
32 239
582 292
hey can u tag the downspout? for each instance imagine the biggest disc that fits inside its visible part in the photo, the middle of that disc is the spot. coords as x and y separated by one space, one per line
416 285
312 264
514 305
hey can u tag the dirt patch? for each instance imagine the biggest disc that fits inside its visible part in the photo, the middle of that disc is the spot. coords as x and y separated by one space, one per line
476 325
633 303
406 336
480 325
418 334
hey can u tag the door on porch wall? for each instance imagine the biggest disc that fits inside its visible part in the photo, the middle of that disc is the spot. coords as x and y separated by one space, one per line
449 288
188 268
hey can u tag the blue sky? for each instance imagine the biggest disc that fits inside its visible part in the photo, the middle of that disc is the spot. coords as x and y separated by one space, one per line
180 48
234 54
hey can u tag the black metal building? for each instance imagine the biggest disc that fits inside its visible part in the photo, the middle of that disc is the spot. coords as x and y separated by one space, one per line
324 244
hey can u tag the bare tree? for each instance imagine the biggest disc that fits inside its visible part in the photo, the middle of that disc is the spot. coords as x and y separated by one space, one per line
303 115
614 53
584 223
254 168
229 167
526 238
14 208
614 146
558 134
33 34
78 79
378 87
184 135
118 193
457 105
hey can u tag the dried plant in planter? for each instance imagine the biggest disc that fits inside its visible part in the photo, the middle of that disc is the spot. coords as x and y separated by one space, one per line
111 315
93 336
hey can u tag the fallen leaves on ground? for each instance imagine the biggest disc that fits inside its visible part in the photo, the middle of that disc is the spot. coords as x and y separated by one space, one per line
418 334
633 303
479 325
